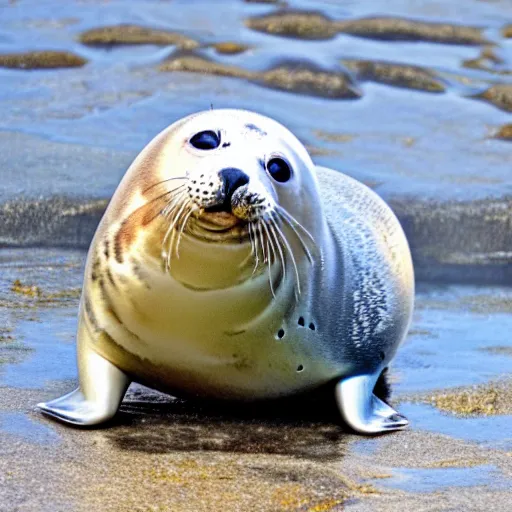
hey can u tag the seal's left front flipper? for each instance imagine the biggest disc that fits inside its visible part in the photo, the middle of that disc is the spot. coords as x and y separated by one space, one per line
96 400
362 410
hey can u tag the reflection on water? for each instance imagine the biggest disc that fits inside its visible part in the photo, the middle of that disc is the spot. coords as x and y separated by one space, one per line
20 425
428 480
492 432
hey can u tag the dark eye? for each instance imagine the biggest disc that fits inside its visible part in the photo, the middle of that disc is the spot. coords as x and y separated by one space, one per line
206 140
279 169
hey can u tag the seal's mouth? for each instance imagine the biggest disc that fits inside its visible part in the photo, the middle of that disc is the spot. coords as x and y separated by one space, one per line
217 220
218 226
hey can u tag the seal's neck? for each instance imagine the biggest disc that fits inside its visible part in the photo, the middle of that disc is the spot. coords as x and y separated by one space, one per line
209 265
232 267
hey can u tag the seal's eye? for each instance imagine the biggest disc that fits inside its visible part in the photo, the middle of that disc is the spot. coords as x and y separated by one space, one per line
279 169
206 140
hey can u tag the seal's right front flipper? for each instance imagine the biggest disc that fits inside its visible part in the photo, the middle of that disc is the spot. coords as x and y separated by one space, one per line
102 387
362 410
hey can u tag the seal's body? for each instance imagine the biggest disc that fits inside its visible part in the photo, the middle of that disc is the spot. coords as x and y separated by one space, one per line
224 268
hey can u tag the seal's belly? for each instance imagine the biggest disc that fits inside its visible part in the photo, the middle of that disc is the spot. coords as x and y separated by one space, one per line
225 343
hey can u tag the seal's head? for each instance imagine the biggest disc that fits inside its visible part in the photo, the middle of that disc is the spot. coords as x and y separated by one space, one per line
233 177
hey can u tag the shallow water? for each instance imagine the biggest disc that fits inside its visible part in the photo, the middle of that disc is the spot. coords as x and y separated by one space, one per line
428 480
401 141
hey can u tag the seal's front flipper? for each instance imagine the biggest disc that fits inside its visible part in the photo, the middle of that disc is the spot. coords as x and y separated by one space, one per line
362 410
102 387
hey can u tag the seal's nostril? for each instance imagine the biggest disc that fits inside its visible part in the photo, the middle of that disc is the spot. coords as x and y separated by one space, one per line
232 178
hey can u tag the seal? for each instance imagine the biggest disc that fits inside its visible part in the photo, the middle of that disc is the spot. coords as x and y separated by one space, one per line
227 265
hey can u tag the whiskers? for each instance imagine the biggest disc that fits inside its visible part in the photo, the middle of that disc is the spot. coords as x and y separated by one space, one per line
165 181
270 244
178 211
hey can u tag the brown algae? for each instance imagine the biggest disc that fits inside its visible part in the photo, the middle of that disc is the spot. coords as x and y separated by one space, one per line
333 137
196 64
305 80
34 296
286 486
504 133
498 350
315 25
5 335
45 59
402 29
485 400
134 34
28 290
500 95
292 77
397 75
457 463
230 48
488 60
298 24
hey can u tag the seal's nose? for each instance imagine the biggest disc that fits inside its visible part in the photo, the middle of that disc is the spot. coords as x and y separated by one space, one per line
232 178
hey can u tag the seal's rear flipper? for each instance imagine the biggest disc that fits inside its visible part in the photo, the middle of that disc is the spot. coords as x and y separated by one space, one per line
102 387
362 410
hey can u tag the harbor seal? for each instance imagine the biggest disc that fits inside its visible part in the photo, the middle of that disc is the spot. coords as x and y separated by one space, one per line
229 266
